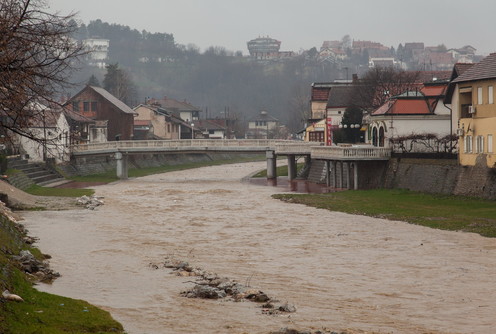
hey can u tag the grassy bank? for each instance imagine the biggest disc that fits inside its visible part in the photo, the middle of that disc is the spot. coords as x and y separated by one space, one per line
452 213
280 170
41 312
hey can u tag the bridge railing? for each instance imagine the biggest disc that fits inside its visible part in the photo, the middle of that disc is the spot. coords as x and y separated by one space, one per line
351 153
296 147
136 144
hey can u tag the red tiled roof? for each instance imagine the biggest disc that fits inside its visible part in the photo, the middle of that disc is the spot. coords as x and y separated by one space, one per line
404 107
435 90
485 69
320 93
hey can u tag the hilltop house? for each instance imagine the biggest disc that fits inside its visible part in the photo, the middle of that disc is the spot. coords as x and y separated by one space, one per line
472 98
415 121
99 105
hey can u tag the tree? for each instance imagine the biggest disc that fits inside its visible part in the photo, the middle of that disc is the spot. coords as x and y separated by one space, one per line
118 83
93 81
352 118
380 83
36 59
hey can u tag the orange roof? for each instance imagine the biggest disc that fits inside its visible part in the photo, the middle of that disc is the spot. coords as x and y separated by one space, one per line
434 90
404 107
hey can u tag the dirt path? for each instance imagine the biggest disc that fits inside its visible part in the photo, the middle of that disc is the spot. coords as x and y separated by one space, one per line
340 271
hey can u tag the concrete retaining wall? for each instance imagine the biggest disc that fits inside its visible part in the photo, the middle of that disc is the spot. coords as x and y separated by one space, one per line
442 176
106 163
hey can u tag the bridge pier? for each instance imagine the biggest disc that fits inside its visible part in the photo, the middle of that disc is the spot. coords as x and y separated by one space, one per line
122 167
291 167
271 164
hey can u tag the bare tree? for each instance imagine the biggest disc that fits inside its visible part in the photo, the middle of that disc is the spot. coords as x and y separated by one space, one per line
37 56
380 83
298 106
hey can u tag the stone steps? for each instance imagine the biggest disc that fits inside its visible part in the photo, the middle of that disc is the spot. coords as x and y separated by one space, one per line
37 173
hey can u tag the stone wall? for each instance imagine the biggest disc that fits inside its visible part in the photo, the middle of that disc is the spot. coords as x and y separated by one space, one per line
442 176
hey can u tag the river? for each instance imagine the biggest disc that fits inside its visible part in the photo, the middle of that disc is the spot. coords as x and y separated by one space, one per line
340 271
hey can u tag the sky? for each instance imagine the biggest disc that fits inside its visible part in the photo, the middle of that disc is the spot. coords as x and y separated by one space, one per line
299 24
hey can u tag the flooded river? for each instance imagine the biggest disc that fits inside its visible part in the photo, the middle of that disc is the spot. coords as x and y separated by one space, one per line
340 271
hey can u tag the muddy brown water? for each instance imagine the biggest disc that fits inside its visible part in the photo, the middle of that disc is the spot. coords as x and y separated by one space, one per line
340 271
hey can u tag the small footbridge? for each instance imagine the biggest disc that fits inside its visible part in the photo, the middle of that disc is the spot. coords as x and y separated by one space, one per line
272 148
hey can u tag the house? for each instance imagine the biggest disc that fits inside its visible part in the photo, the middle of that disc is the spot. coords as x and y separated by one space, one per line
84 130
415 121
51 133
262 126
97 51
328 104
99 105
184 110
472 98
209 129
158 123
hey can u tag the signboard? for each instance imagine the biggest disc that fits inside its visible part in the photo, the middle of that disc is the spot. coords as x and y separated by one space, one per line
328 131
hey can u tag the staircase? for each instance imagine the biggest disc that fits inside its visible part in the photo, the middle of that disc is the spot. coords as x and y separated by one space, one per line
317 172
35 172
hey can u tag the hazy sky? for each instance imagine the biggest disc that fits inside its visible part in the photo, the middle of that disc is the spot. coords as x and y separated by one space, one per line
300 24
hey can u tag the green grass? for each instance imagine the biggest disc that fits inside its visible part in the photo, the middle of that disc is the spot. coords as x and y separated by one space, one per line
280 170
63 192
41 312
452 213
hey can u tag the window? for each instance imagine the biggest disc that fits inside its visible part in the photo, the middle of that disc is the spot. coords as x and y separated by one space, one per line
168 128
479 144
75 105
479 95
489 143
94 106
86 106
490 94
468 144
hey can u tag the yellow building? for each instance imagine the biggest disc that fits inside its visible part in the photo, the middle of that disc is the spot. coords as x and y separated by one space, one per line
472 100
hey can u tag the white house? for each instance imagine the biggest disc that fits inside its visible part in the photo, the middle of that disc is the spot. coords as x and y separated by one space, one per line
261 126
416 121
98 49
52 131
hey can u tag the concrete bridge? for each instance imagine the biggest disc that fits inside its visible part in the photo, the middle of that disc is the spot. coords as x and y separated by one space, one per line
347 155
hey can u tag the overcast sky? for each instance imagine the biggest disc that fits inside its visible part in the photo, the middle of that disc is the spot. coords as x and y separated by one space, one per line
300 24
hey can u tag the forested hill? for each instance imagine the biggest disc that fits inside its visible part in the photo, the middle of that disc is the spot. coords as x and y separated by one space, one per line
215 79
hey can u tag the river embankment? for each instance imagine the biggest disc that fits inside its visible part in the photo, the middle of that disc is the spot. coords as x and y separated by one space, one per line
338 270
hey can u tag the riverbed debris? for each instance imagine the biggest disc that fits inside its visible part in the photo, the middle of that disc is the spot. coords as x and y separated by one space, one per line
11 297
208 285
90 202
39 270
